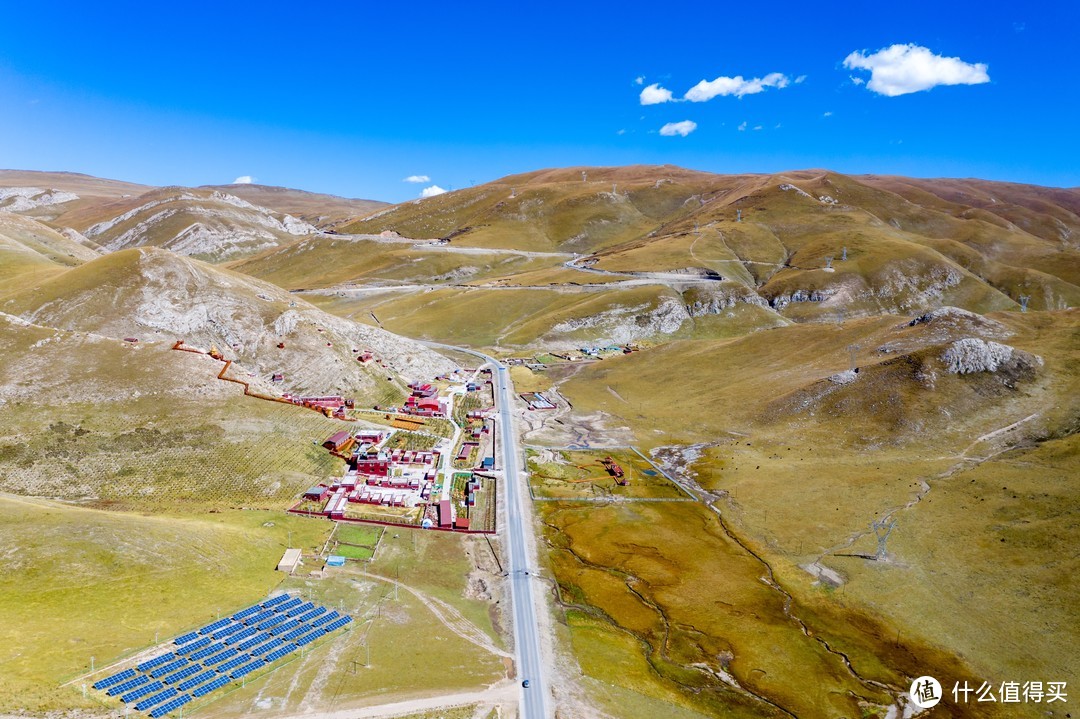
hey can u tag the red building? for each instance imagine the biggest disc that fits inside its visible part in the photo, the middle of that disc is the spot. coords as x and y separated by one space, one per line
446 514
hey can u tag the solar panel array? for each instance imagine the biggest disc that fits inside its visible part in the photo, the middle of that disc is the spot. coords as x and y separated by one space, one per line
222 652
128 685
155 699
170 705
114 679
193 646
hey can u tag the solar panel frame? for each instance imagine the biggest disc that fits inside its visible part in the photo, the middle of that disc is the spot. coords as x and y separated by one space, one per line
207 651
207 688
273 621
171 705
241 635
182 674
168 668
141 692
155 699
247 668
155 662
127 686
286 606
288 626
253 609
197 680
300 609
194 646
227 631
276 600
307 617
214 626
114 679
184 639
221 656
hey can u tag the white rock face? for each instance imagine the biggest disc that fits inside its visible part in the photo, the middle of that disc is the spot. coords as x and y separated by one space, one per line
787 187
846 377
21 199
975 355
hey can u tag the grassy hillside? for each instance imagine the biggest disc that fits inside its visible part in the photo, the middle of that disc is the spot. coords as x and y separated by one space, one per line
326 261
318 209
154 295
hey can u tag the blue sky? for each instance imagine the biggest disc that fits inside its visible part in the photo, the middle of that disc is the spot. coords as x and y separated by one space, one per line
351 98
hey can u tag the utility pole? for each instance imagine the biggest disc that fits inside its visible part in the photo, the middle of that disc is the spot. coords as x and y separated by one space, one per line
843 255
853 350
1024 302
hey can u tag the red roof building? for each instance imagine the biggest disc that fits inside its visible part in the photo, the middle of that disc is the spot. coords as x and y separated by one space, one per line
446 513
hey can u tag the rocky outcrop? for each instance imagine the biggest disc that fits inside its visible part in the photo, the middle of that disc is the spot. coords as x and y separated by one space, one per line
971 355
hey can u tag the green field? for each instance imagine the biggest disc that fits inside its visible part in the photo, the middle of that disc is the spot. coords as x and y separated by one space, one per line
360 535
79 583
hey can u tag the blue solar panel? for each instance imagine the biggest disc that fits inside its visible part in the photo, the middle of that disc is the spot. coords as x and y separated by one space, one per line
156 662
286 627
220 657
337 624
245 645
246 612
299 609
155 699
289 636
256 618
233 663
114 679
207 688
266 648
168 668
242 635
307 617
182 674
171 705
227 631
207 651
197 680
276 601
286 606
141 692
328 617
272 622
261 648
278 654
309 637
247 668
193 646
127 686
214 627
186 638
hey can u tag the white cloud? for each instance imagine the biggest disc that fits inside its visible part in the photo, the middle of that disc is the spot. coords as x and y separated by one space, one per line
683 128
417 178
639 80
903 69
800 79
742 127
856 80
432 191
243 180
827 113
737 86
757 127
621 132
655 95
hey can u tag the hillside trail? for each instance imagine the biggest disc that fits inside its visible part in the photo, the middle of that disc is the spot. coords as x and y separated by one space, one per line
964 462
448 615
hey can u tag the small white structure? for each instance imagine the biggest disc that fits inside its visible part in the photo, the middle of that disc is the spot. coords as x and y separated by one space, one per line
289 561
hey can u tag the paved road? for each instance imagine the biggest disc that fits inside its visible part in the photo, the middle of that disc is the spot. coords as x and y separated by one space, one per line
534 700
